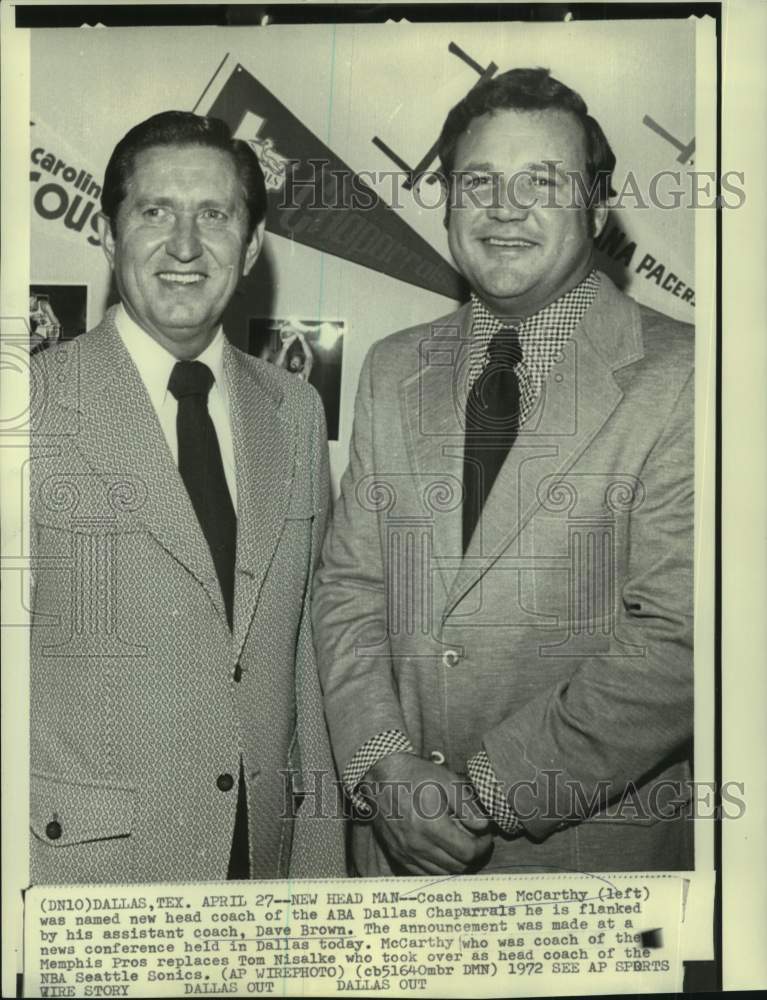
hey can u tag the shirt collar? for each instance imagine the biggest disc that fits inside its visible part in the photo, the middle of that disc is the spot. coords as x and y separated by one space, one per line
155 363
566 311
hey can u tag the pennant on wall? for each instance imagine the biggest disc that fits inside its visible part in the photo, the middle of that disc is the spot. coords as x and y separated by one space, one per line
317 200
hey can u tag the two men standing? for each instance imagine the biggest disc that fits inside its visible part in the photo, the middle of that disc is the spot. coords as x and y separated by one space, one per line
502 612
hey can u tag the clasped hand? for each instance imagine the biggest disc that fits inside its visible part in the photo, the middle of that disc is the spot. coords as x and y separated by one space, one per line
426 817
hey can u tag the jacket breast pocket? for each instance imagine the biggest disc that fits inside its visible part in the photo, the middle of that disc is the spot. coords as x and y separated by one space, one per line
575 578
64 813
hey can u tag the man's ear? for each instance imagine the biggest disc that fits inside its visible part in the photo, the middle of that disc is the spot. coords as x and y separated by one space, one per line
104 229
254 247
599 218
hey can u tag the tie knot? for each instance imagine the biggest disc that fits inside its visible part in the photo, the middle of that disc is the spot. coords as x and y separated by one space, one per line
190 378
504 347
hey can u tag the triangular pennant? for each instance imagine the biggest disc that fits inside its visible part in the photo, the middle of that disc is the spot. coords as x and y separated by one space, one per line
317 200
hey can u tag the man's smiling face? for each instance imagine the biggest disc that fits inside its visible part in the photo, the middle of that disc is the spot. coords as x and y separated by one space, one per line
181 243
513 231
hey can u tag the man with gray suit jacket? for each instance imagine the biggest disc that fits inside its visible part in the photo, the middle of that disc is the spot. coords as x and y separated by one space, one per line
179 494
503 605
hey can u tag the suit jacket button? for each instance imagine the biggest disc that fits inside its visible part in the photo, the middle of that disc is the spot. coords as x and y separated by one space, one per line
225 782
450 658
53 830
238 673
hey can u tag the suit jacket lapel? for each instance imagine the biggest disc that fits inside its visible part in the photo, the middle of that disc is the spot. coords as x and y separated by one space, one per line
264 457
432 403
121 439
570 413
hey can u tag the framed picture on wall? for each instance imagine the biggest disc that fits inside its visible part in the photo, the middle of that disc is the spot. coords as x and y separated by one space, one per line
56 312
310 349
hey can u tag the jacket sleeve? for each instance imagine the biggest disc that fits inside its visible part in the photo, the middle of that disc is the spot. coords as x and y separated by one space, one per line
350 606
318 848
311 724
616 718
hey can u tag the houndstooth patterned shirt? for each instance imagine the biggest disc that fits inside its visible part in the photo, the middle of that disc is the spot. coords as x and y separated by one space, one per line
541 336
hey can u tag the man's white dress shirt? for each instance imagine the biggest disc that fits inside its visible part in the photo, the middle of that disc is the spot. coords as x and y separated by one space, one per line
155 364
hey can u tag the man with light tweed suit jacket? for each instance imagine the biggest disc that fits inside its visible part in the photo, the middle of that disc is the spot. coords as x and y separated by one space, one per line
503 605
179 494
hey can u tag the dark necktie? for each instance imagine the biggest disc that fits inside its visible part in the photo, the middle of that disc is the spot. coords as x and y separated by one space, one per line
201 468
492 422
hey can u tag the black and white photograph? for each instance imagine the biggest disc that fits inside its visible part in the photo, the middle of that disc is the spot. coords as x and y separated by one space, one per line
367 553
310 349
56 312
